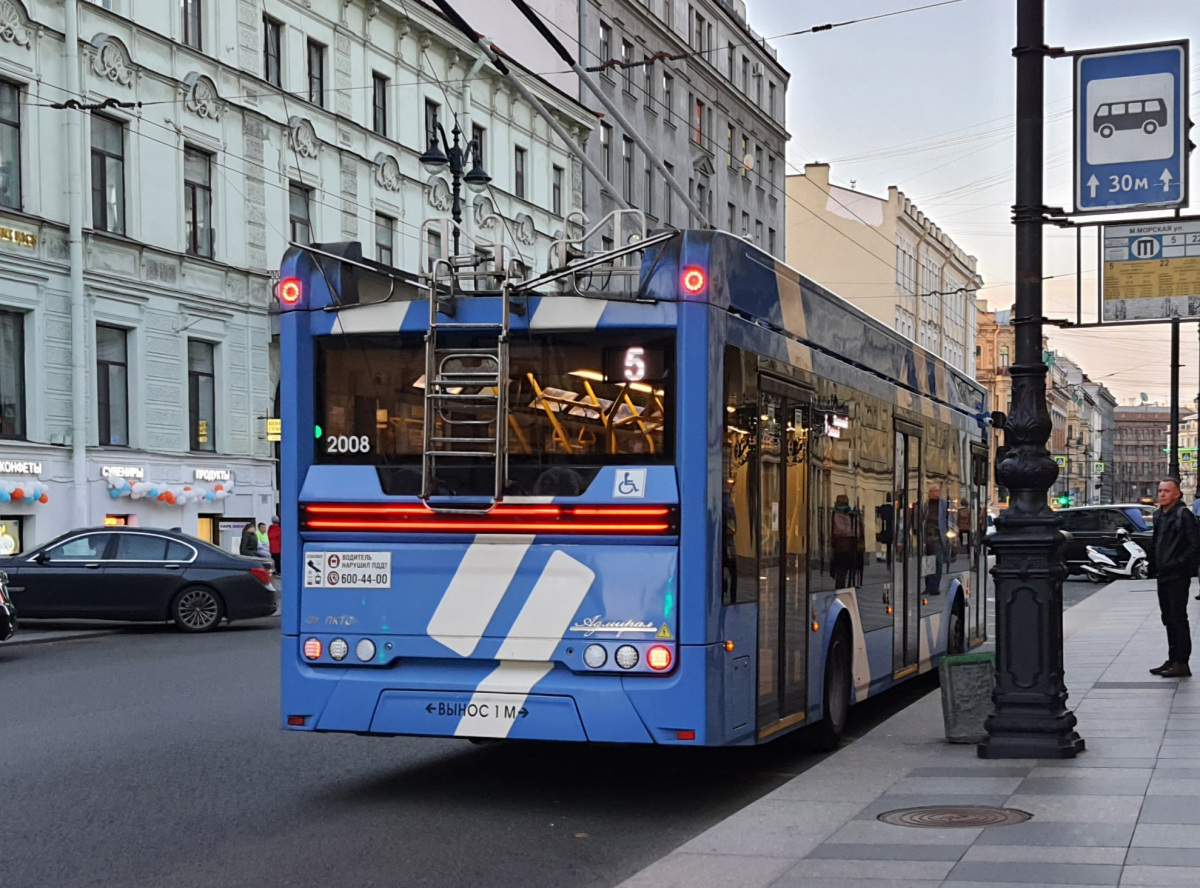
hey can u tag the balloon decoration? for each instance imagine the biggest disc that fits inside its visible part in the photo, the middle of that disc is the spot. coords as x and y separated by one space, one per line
25 490
168 494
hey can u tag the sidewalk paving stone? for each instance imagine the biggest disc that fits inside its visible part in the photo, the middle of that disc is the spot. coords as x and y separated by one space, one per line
1124 812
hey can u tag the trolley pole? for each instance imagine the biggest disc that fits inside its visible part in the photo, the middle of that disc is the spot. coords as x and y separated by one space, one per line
1031 718
1173 471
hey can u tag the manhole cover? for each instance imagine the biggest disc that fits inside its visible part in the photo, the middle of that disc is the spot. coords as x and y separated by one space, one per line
954 816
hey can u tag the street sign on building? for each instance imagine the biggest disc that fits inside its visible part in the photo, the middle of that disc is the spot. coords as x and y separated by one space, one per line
1131 119
1152 270
1060 460
1097 468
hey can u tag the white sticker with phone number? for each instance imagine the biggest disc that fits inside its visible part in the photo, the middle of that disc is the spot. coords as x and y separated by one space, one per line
354 570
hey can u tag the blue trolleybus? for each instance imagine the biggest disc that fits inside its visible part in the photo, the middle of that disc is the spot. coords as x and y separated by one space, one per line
709 508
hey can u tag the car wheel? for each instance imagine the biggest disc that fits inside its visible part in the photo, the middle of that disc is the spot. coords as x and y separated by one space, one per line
836 694
1106 131
1141 571
196 609
1149 127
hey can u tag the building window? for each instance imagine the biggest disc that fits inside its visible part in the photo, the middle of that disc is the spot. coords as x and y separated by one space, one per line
648 81
758 228
668 13
112 386
202 396
698 122
301 225
745 232
197 202
699 30
648 189
745 75
605 43
1004 356
729 62
627 169
12 375
379 85
606 150
477 136
758 166
771 169
667 195
108 175
771 240
742 157
668 95
519 172
191 23
385 235
431 123
556 191
730 138
758 89
10 146
433 249
272 46
316 73
732 216
626 70
771 100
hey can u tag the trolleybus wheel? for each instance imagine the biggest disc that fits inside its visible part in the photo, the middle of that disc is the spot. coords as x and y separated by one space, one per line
196 609
836 694
954 639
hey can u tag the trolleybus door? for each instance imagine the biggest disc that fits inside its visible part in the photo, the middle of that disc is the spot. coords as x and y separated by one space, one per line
906 576
783 557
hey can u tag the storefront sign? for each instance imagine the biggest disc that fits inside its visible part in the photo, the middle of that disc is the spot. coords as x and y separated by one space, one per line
16 236
122 472
213 475
274 429
20 467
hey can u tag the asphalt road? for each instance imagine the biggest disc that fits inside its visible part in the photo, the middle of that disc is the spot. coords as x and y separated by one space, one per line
147 758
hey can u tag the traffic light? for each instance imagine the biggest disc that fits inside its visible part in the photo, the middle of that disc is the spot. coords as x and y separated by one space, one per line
1064 500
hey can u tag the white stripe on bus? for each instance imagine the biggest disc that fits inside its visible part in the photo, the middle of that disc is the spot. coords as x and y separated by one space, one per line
476 590
535 634
567 313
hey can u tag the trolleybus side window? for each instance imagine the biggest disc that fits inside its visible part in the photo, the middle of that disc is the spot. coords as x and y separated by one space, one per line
739 569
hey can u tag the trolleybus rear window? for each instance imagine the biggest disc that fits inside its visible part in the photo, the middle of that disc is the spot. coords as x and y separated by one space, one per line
574 399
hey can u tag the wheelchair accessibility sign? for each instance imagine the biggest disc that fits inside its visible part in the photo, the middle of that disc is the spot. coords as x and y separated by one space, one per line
629 484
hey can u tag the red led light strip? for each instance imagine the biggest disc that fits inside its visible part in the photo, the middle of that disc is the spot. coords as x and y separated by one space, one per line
417 518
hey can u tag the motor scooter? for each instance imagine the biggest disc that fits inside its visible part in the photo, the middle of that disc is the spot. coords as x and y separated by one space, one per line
1127 563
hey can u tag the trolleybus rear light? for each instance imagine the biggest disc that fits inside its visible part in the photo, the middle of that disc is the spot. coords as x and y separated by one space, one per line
365 650
685 735
658 658
693 280
416 518
595 656
297 721
338 649
626 656
289 291
312 649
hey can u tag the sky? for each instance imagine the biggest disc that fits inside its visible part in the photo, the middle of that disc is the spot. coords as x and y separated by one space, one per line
925 101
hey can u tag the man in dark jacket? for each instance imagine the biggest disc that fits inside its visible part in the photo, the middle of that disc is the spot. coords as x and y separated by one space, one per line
249 542
1176 556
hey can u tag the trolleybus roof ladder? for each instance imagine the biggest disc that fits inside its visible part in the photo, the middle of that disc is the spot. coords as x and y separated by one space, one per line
466 395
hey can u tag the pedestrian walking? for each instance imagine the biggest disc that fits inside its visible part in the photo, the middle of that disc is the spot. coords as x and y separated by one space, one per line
275 542
248 545
1196 512
1176 561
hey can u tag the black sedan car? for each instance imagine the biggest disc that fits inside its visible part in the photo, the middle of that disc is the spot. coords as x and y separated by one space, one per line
8 613
1098 526
132 573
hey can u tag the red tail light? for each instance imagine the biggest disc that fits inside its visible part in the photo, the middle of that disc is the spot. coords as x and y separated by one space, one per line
693 280
289 291
658 658
541 518
261 574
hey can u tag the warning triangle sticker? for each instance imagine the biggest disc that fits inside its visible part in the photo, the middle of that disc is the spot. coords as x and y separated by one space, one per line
664 632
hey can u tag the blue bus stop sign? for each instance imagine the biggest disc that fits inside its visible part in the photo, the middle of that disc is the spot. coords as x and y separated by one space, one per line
1131 127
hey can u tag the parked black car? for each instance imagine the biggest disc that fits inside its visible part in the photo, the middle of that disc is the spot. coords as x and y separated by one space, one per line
8 613
132 573
1098 526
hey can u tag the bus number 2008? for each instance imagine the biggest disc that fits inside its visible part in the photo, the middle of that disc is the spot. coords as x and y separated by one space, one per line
347 444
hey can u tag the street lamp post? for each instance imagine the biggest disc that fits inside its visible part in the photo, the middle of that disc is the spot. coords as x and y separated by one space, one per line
434 161
1031 718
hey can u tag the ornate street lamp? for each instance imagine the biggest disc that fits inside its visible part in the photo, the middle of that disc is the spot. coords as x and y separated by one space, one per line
435 161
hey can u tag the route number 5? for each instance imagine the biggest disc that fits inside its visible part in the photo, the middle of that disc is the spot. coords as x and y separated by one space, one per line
635 364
